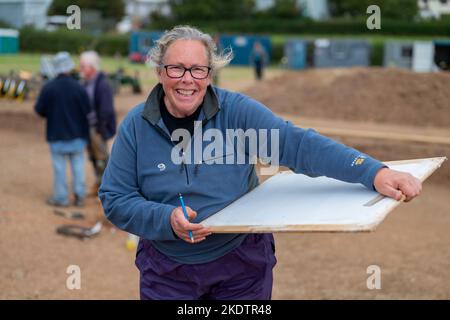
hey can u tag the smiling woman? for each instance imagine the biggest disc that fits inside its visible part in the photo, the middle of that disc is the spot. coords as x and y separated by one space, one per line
183 95
141 184
186 49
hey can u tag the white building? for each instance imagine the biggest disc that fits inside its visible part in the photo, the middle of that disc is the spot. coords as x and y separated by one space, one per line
433 8
19 13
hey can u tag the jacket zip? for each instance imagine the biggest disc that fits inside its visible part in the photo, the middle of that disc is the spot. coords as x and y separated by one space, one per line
183 165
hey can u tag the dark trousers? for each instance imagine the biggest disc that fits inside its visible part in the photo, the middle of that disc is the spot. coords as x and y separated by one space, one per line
258 69
242 274
98 154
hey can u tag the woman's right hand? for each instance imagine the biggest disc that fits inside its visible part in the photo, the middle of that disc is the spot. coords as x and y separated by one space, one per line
181 226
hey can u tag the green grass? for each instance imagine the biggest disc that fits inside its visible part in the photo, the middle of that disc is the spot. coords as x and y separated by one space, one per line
31 63
235 73
16 62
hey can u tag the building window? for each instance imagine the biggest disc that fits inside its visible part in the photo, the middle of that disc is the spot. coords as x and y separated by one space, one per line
406 52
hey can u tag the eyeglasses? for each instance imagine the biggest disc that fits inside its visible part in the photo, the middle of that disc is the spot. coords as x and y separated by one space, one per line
176 72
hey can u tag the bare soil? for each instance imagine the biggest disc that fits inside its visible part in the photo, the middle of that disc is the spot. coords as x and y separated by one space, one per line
385 95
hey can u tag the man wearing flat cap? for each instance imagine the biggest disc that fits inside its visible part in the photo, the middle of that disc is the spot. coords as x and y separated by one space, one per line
65 105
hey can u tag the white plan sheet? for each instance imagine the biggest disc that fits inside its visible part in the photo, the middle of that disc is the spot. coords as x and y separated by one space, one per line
289 202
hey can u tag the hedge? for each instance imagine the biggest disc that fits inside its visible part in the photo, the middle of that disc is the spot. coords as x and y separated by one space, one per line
329 27
32 40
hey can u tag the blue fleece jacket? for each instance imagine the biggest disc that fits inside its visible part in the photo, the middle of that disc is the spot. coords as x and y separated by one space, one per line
140 185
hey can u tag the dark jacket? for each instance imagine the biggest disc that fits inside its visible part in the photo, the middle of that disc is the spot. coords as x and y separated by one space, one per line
104 107
65 105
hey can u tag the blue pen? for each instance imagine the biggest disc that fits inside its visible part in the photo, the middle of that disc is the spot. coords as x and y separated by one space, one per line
186 216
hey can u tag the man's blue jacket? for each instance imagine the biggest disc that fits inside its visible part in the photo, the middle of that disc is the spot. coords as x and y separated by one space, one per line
65 105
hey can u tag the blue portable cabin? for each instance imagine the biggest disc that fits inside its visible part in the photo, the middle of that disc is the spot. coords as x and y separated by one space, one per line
341 53
442 54
398 54
141 42
9 41
296 53
242 46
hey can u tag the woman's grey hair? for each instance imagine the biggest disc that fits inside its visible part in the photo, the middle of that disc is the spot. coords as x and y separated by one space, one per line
216 59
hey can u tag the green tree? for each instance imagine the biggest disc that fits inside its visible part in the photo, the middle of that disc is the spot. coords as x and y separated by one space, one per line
342 8
59 7
399 9
391 9
4 24
108 8
286 9
186 10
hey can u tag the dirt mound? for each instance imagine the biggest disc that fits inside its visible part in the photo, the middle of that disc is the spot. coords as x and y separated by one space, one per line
365 94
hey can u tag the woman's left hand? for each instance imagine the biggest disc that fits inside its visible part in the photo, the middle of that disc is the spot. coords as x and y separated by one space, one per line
395 184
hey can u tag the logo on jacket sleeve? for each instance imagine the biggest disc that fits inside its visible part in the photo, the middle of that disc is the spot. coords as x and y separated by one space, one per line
161 166
358 160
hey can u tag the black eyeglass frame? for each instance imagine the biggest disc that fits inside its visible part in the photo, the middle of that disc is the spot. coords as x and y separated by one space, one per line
186 69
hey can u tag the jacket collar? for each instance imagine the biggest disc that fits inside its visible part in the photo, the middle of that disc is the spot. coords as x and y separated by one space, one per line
151 109
98 77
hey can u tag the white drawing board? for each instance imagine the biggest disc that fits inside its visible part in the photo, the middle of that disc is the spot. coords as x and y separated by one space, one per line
289 202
